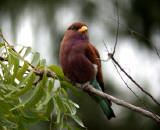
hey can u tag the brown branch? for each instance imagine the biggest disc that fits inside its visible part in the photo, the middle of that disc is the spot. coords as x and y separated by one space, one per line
5 41
117 31
89 88
157 52
2 59
125 81
38 72
140 87
135 33
111 56
144 112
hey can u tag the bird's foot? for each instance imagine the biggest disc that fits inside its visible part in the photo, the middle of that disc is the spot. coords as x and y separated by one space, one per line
72 82
82 85
85 85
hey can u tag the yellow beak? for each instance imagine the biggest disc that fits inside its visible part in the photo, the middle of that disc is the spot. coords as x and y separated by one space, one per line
83 29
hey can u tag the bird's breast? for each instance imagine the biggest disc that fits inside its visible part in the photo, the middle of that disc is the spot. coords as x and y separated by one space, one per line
76 65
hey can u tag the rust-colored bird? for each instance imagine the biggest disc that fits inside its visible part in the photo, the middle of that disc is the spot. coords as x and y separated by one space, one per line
80 62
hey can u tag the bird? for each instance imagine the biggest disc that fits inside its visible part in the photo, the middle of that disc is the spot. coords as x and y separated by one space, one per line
80 62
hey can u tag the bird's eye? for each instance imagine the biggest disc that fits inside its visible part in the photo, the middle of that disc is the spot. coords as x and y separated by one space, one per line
73 28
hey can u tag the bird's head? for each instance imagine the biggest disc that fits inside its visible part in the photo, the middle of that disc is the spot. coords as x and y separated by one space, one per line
77 30
79 27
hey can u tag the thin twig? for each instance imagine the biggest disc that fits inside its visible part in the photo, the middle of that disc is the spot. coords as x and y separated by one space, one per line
135 33
111 55
146 39
132 90
117 28
140 87
2 59
125 82
1 35
38 72
51 122
104 95
157 52
120 102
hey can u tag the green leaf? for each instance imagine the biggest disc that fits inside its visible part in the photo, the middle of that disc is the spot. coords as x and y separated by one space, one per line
42 62
4 67
33 114
21 124
75 128
57 70
27 83
6 107
14 54
9 87
69 104
39 93
32 98
71 108
6 123
24 101
21 50
78 120
51 85
50 107
47 97
59 124
68 86
28 50
28 118
15 62
58 116
36 57
2 44
36 97
64 93
69 126
6 72
25 79
21 71
44 78
60 104
73 103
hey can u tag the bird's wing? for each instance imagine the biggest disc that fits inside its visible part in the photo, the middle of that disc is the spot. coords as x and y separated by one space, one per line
93 55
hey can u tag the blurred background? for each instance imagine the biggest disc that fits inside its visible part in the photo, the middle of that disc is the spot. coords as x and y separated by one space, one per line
41 24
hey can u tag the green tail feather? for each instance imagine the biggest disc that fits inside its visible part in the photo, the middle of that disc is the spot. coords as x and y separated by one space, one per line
105 104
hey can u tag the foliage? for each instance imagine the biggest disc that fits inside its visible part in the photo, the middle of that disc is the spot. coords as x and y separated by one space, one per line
28 95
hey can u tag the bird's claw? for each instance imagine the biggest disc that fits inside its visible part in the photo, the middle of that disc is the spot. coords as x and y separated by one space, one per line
82 86
85 85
